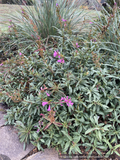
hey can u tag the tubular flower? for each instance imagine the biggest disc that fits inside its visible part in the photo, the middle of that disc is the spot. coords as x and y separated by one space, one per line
37 130
64 20
90 22
67 101
49 109
61 60
44 103
56 53
47 94
77 45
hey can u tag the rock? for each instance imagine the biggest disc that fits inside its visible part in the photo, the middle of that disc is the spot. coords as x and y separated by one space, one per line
48 154
2 111
10 145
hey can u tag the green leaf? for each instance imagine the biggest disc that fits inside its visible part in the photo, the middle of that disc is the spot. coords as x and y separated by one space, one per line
70 89
77 149
117 146
66 146
24 146
107 154
98 151
99 135
117 153
67 135
90 130
76 139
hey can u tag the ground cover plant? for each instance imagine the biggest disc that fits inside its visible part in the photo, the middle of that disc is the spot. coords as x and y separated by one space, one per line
67 95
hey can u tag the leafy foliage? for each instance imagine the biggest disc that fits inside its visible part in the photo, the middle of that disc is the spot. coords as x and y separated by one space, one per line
69 96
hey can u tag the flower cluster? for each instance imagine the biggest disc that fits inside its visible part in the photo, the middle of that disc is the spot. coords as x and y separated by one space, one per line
61 101
56 54
66 100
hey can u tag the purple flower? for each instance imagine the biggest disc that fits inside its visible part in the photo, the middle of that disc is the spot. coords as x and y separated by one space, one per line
56 53
47 94
64 20
94 40
37 130
9 26
115 3
56 4
77 45
61 60
20 53
49 109
44 103
67 101
90 22
42 89
1 64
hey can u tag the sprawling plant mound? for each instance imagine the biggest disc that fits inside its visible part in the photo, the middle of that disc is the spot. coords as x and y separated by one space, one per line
68 97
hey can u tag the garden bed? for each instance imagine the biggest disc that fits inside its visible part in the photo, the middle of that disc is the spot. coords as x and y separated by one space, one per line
62 84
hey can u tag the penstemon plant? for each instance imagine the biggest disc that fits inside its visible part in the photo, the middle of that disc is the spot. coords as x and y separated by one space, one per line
68 96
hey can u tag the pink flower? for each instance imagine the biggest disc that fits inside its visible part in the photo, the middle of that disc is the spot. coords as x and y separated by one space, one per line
37 130
64 20
67 101
77 45
20 53
56 53
47 94
42 89
65 25
56 4
61 60
41 114
1 64
44 103
90 22
49 109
